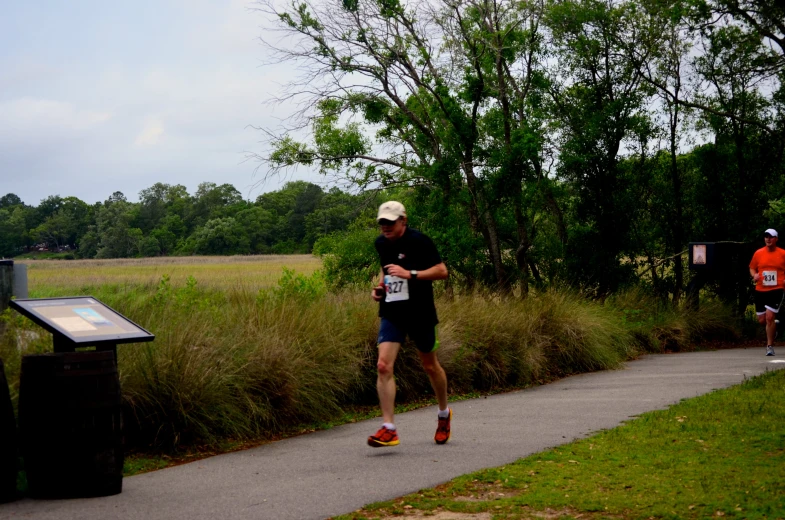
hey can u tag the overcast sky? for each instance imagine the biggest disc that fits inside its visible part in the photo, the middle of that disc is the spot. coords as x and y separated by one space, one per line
98 97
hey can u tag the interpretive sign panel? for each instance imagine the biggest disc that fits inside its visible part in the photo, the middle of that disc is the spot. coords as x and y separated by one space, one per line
701 256
82 320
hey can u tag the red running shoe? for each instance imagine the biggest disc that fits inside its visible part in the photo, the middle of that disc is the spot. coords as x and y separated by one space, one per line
443 430
384 437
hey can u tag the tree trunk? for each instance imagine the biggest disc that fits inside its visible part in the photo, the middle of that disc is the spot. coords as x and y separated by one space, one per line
483 221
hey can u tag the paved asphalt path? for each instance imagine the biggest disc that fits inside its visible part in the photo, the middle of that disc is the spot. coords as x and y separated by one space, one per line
332 472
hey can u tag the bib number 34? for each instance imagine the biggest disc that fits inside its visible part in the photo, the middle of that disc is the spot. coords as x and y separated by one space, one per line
769 278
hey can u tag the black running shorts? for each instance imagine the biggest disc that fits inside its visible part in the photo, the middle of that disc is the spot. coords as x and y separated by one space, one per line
768 300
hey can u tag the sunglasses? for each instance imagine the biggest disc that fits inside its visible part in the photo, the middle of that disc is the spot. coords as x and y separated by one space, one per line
768 236
385 222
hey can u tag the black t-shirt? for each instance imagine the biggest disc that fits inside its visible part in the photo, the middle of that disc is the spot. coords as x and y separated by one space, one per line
415 251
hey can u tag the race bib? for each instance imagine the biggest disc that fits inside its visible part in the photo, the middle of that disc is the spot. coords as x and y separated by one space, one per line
397 289
769 278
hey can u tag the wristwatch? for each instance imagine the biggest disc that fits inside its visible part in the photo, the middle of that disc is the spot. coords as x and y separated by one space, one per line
414 274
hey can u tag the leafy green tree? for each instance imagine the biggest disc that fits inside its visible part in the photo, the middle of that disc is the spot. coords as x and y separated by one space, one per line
660 229
48 207
258 225
220 236
55 230
149 246
9 200
281 202
116 237
735 90
334 212
117 196
62 221
289 207
159 201
212 201
349 257
444 88
599 105
13 230
88 244
15 219
166 241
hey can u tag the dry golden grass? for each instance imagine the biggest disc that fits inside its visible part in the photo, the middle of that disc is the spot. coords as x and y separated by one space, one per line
52 277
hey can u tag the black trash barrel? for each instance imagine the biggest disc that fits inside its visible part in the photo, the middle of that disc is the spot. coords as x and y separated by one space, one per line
8 447
70 424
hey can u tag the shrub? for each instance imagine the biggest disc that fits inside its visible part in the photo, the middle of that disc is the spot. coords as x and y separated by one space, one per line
349 258
658 327
301 288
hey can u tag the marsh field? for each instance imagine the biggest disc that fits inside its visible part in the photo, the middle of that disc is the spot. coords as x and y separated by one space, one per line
252 347
56 278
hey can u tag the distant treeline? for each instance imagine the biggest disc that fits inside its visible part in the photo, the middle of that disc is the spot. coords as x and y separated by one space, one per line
167 220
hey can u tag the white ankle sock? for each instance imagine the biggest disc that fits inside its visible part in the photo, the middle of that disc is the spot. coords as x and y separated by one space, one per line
389 426
443 414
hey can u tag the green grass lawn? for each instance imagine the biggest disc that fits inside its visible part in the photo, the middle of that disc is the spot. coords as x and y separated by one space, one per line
714 456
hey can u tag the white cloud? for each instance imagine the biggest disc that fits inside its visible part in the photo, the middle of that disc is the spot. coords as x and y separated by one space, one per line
151 133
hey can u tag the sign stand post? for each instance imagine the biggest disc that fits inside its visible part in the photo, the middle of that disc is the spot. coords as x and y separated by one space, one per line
76 393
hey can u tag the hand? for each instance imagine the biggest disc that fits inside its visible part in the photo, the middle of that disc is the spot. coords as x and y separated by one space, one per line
397 270
378 292
756 277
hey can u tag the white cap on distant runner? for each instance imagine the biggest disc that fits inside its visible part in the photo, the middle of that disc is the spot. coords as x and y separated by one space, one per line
770 231
391 210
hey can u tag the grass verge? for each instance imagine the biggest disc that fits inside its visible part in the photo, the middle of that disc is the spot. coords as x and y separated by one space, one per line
717 455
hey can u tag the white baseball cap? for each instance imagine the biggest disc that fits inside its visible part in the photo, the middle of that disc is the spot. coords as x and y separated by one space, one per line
391 210
770 231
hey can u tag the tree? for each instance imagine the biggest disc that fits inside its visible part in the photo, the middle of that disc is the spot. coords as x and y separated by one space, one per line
739 116
117 196
220 236
289 208
149 246
598 99
213 201
434 83
10 200
664 66
258 225
55 230
88 244
14 218
761 17
334 212
13 230
159 201
116 237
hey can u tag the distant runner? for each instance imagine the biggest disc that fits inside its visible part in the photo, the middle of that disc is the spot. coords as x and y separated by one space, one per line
410 262
767 268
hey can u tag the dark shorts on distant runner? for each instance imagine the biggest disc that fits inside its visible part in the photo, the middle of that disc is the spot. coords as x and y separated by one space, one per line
424 338
768 300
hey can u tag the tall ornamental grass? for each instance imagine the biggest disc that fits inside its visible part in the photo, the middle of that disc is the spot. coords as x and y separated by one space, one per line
658 327
241 362
490 343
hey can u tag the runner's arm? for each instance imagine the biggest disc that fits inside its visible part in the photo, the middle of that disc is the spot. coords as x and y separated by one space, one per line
437 272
